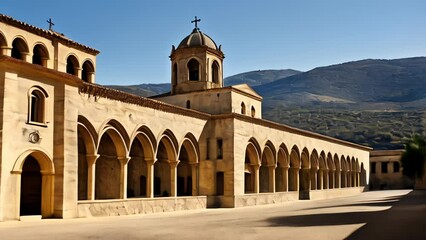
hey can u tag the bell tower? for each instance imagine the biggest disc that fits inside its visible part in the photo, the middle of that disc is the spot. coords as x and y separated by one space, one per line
197 63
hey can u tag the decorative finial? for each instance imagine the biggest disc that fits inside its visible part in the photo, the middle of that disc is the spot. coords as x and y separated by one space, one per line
50 24
196 21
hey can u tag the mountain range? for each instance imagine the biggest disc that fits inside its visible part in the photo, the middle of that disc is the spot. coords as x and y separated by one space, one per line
374 102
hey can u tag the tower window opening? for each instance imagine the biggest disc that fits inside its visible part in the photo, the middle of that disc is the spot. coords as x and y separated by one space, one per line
193 70
40 55
87 72
243 108
19 49
215 72
253 111
175 73
72 65
188 104
36 109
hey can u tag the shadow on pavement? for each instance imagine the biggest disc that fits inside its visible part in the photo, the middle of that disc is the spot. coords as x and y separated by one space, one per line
406 219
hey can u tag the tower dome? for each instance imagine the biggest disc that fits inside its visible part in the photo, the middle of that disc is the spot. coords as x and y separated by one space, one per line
197 38
196 63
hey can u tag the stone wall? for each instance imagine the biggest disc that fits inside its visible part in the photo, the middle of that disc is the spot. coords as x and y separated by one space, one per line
265 198
121 207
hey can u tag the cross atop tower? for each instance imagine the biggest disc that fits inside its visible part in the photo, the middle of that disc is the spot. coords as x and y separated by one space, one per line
196 21
50 24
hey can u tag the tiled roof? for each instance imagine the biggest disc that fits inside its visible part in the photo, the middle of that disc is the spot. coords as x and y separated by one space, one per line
47 34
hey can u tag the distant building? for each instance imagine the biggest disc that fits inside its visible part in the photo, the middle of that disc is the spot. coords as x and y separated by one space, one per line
386 171
71 148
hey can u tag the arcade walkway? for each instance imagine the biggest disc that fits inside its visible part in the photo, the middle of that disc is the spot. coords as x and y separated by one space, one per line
399 214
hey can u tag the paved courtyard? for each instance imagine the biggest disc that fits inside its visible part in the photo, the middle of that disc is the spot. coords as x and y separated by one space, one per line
399 214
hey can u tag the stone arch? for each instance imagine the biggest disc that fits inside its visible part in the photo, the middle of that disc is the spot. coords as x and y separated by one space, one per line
331 171
215 69
314 169
87 156
267 169
119 128
165 165
73 65
34 172
293 176
343 166
187 169
3 45
304 173
337 174
88 71
141 160
323 173
40 55
251 166
353 172
110 179
281 171
20 48
193 67
348 172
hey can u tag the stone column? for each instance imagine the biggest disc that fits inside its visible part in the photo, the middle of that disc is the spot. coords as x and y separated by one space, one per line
5 51
320 178
332 182
173 177
337 179
123 176
194 173
91 171
285 178
314 178
271 178
150 177
78 71
325 176
256 178
26 57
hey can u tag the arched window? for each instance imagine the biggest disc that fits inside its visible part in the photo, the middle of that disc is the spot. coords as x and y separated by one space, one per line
243 108
88 71
72 65
36 105
175 74
40 55
215 72
19 49
253 111
188 104
193 70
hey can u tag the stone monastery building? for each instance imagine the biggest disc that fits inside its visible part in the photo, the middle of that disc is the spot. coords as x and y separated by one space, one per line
71 148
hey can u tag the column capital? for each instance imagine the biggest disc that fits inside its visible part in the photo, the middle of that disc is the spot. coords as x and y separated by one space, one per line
91 158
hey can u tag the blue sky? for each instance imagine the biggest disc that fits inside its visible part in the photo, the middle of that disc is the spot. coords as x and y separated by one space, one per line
135 37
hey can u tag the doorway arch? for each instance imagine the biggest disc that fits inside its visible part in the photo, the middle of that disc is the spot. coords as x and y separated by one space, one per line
34 171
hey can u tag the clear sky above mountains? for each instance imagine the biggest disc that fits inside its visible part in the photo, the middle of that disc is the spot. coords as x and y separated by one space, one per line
135 37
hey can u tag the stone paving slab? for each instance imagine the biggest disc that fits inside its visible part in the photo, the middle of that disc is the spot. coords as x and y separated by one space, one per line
399 214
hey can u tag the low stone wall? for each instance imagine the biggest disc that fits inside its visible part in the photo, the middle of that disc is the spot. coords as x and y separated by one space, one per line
334 193
118 207
264 198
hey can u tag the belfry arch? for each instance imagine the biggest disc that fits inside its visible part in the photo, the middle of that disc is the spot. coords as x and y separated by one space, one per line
34 172
40 55
3 45
20 49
